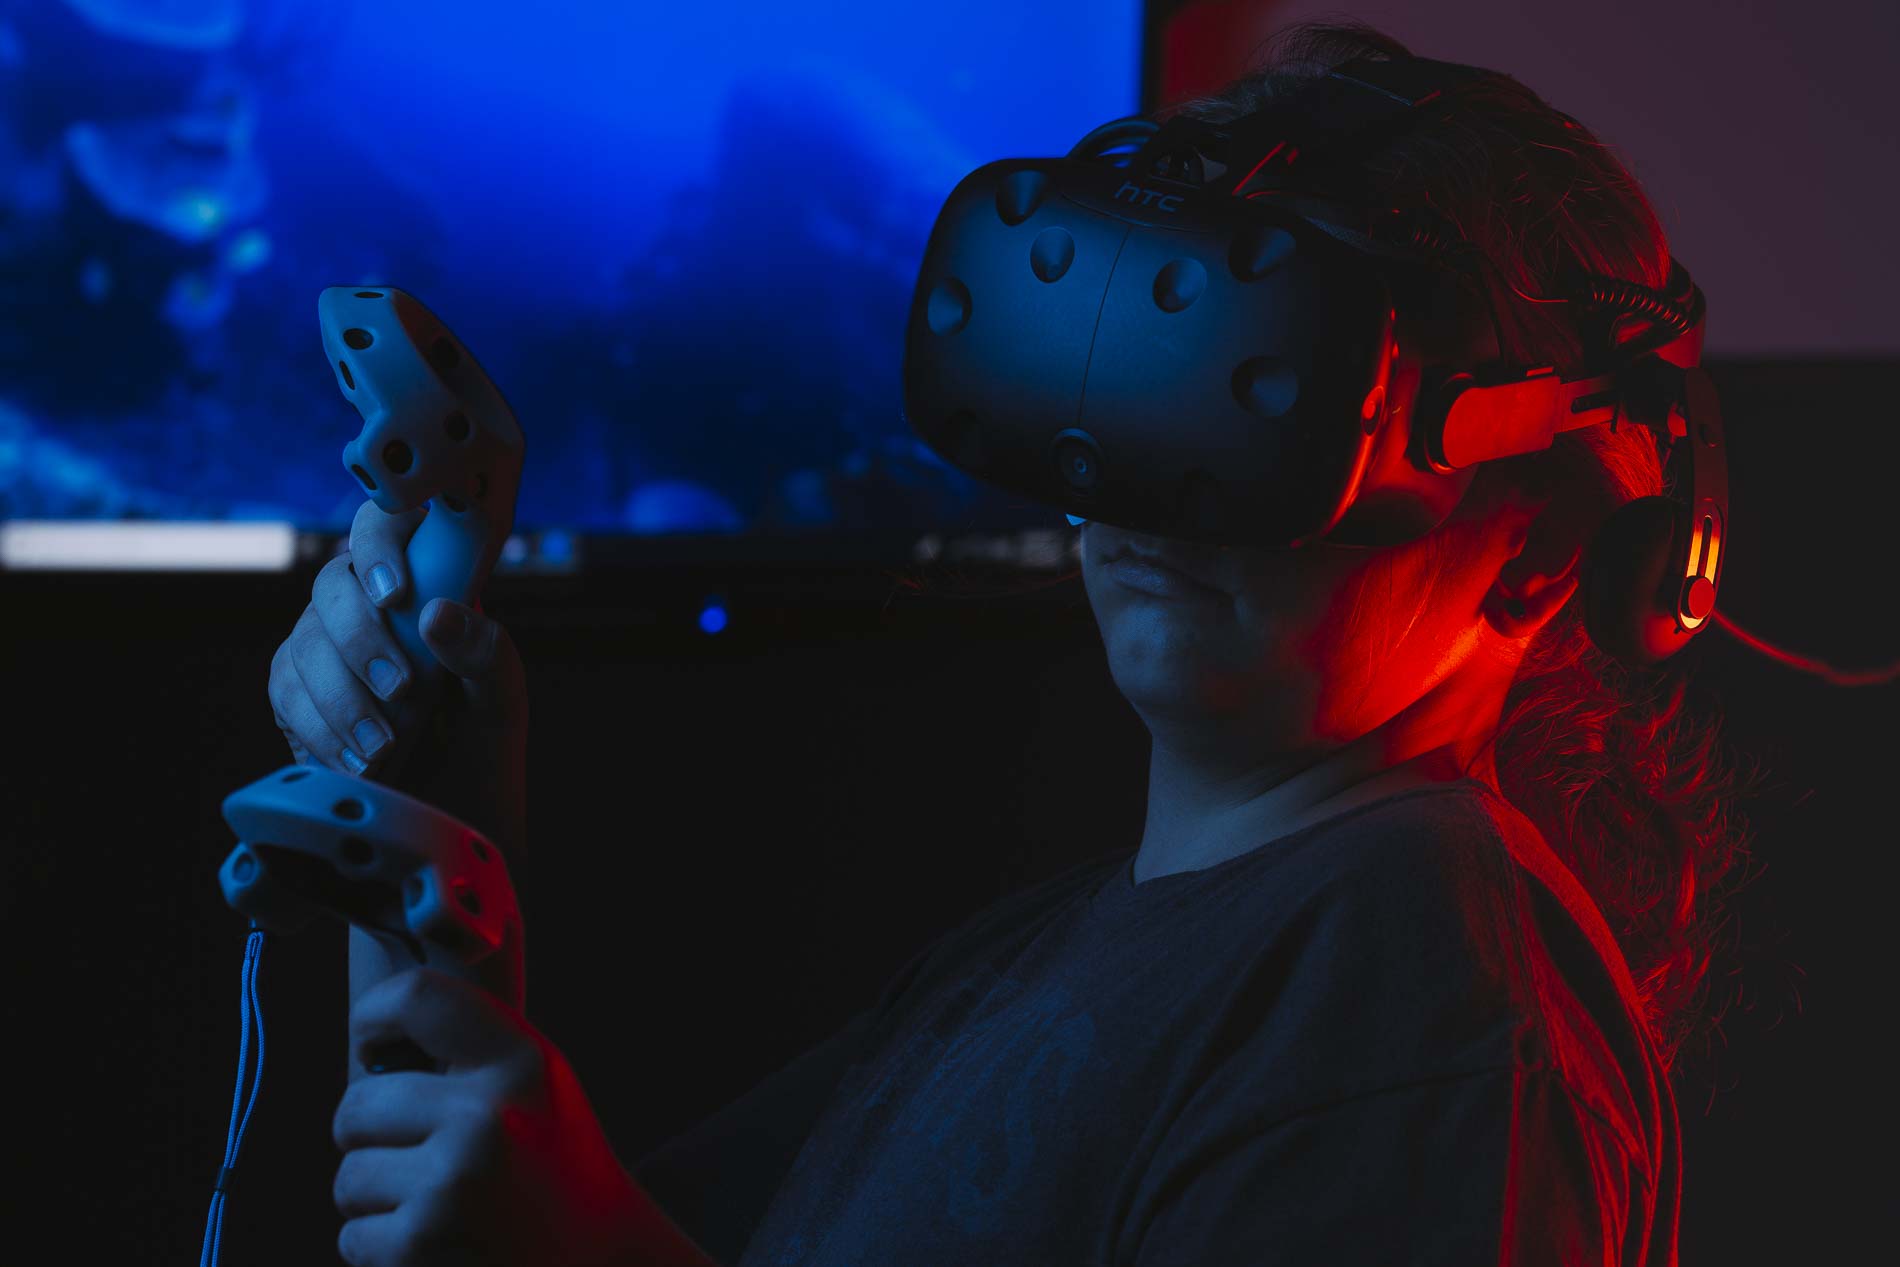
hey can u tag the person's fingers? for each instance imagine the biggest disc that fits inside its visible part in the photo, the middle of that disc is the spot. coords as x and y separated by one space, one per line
480 651
378 546
360 730
357 630
311 740
456 1022
298 752
374 1180
382 1240
391 1110
288 707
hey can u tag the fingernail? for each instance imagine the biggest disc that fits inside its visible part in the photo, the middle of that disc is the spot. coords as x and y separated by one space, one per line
384 677
356 764
369 736
450 623
382 583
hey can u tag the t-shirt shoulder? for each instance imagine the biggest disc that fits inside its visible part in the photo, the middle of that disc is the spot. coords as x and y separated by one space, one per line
1457 861
1444 912
1393 929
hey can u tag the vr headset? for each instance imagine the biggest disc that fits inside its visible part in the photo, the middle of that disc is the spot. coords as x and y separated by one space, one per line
1199 340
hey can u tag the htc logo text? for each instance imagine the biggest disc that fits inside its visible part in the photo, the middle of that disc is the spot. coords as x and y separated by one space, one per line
1131 192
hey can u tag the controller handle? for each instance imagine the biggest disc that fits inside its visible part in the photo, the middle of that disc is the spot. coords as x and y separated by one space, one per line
313 841
435 430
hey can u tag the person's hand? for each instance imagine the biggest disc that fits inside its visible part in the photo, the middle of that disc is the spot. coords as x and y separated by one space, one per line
498 1160
345 695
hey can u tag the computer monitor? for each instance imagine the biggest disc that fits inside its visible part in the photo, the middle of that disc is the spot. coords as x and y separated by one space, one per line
681 238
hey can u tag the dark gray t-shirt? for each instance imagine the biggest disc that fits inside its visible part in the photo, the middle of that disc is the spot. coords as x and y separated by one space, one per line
1403 1035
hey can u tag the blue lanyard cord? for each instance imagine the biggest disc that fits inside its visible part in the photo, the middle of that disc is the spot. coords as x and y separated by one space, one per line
248 1010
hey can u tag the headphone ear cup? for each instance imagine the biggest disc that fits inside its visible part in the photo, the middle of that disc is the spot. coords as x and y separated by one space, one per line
1628 597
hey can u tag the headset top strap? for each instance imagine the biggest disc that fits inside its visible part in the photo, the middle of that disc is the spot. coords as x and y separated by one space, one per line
1318 128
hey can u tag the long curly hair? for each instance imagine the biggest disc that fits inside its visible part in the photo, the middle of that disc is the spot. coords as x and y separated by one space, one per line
1633 790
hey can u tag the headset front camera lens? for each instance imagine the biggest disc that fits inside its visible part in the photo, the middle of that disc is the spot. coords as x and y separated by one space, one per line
1078 464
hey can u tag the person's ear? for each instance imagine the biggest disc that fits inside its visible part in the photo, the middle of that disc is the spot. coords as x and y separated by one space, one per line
1537 578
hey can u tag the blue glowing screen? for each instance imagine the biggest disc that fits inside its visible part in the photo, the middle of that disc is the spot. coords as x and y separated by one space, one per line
681 238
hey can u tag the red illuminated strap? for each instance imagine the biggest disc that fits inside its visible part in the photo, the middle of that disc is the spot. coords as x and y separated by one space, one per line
1520 412
1245 188
1515 412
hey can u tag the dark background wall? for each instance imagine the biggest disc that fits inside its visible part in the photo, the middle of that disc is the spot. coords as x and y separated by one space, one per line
736 840
1762 131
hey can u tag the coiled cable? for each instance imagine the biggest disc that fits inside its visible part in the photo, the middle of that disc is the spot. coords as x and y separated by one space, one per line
248 1013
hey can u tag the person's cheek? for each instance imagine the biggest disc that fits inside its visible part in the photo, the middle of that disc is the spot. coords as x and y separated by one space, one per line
1347 642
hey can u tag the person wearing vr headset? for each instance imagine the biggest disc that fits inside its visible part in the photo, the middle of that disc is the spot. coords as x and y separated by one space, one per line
1420 913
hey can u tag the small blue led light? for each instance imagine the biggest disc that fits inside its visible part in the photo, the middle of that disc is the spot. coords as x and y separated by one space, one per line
713 618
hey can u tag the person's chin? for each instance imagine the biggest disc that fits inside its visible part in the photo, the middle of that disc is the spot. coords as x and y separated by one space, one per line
1155 645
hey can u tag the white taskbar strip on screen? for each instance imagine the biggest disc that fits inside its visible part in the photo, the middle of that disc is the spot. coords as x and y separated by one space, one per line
146 545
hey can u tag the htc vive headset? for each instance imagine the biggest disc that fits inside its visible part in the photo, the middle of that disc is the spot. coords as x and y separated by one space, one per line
1197 340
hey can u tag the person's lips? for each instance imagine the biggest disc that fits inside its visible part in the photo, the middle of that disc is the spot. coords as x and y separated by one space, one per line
1167 563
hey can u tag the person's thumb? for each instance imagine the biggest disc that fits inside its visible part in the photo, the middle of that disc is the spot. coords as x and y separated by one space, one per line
480 652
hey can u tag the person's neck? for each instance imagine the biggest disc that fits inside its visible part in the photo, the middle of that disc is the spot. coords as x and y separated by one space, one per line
1205 805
